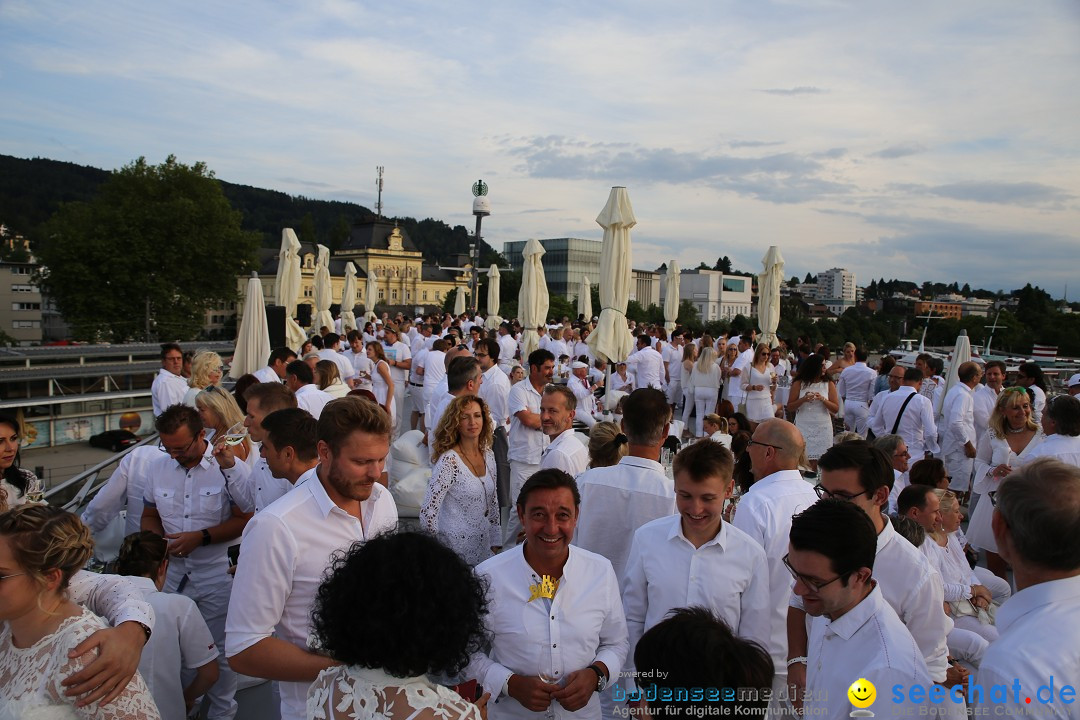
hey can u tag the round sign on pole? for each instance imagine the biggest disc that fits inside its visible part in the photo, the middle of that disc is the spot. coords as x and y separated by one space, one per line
479 188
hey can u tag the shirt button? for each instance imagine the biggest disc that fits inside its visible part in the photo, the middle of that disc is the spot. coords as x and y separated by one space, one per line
185 516
554 645
187 496
552 617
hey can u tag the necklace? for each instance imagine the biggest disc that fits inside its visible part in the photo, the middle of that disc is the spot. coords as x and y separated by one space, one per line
1017 431
481 473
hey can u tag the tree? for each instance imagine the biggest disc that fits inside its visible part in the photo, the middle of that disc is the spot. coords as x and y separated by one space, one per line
306 231
723 265
154 250
703 266
810 278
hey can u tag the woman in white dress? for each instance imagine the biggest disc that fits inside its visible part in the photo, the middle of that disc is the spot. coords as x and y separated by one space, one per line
430 608
689 357
461 507
17 486
731 354
813 400
382 385
41 547
705 377
1010 438
758 383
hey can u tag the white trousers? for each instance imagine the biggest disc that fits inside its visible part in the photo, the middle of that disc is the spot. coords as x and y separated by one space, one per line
704 403
855 416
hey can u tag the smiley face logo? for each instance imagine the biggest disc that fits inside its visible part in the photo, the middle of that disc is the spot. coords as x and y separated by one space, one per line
862 693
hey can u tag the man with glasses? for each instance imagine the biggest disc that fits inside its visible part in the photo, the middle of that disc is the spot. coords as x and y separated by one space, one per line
764 514
185 501
169 387
859 473
896 449
855 634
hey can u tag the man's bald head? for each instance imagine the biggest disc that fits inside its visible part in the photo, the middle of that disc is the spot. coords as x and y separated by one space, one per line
455 352
969 373
777 445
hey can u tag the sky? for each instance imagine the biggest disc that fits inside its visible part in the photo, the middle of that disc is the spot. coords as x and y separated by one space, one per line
915 140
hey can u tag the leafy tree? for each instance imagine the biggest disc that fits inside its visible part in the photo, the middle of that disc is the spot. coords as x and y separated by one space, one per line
688 315
306 232
810 278
723 265
338 234
703 266
158 242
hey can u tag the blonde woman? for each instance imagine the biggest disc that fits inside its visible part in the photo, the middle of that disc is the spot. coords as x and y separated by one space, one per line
607 445
689 357
716 429
758 383
1011 436
705 377
461 507
329 379
41 548
206 370
219 412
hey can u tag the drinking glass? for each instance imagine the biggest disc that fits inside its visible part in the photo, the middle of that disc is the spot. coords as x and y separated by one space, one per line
236 434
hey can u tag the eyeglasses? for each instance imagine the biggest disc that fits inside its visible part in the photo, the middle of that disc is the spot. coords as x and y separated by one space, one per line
812 584
1015 389
175 453
823 493
5 577
757 442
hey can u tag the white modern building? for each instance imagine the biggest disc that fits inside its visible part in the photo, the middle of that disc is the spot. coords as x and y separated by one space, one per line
715 295
836 290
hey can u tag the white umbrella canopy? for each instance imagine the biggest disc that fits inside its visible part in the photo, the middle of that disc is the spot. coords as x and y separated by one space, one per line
611 339
533 297
287 286
961 354
493 320
371 294
323 290
584 299
459 302
671 296
348 299
769 283
253 338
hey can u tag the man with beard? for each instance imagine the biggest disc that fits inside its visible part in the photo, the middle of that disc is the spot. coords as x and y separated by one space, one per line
289 546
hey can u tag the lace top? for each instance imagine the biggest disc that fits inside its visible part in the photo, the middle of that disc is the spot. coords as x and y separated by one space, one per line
11 496
461 509
353 693
30 678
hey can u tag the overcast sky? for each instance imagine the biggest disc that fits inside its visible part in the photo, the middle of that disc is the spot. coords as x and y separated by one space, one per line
918 140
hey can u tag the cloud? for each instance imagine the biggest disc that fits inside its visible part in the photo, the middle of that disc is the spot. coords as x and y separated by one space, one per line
1023 194
754 143
900 150
800 90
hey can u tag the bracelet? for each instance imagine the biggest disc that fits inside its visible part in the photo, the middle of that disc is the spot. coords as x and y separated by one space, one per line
801 659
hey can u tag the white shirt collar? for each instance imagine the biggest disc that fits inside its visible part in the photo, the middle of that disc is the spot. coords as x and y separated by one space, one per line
849 623
643 463
1034 597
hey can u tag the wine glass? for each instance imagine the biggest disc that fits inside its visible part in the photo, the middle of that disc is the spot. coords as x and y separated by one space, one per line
545 670
235 434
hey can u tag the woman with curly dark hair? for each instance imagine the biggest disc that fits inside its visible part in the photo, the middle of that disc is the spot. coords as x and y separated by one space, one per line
426 619
17 486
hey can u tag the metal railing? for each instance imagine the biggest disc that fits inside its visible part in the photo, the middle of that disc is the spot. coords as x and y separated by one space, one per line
87 482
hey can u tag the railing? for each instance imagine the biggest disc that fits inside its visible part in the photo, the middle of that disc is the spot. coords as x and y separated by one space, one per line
87 482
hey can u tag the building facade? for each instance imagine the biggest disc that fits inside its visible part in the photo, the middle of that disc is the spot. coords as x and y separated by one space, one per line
836 290
715 295
21 303
566 261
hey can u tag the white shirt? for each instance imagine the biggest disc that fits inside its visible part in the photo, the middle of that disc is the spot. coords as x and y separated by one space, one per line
728 575
285 552
526 445
616 501
584 624
1065 448
648 368
398 352
125 489
951 563
734 384
1039 637
166 390
191 500
984 401
112 597
254 488
419 366
267 375
495 390
958 418
181 640
507 350
309 397
586 401
566 453
1039 404
914 590
869 641
344 365
673 359
873 417
917 425
361 365
434 370
856 383
764 513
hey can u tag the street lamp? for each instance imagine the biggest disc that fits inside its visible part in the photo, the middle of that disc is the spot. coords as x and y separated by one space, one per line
481 207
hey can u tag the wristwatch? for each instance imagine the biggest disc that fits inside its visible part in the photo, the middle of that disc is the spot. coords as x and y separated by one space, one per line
601 678
206 539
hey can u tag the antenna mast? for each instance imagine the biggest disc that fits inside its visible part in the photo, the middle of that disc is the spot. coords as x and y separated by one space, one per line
378 186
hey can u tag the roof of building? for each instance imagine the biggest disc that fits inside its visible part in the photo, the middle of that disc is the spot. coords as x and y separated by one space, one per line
268 261
373 234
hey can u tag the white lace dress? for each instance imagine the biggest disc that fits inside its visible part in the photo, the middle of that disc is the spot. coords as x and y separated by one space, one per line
30 678
354 693
759 403
993 450
11 496
814 421
380 389
461 509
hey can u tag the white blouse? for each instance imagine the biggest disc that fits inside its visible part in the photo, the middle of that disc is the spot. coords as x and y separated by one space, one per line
355 693
462 509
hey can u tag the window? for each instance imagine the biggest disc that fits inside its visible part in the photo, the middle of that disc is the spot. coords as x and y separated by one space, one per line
408 296
23 288
382 295
309 292
24 324
393 295
20 270
25 306
425 295
733 285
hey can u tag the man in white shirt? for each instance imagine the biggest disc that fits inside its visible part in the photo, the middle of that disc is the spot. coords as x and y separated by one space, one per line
301 380
564 451
168 388
742 362
695 558
895 379
617 500
673 368
399 358
463 377
185 501
958 434
583 390
417 399
555 610
495 391
1061 423
123 491
986 396
507 348
916 416
274 372
646 364
527 439
896 450
764 513
861 474
289 546
856 387
332 351
1035 525
357 357
855 635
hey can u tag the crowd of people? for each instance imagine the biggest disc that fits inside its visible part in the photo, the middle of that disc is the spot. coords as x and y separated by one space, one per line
580 551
